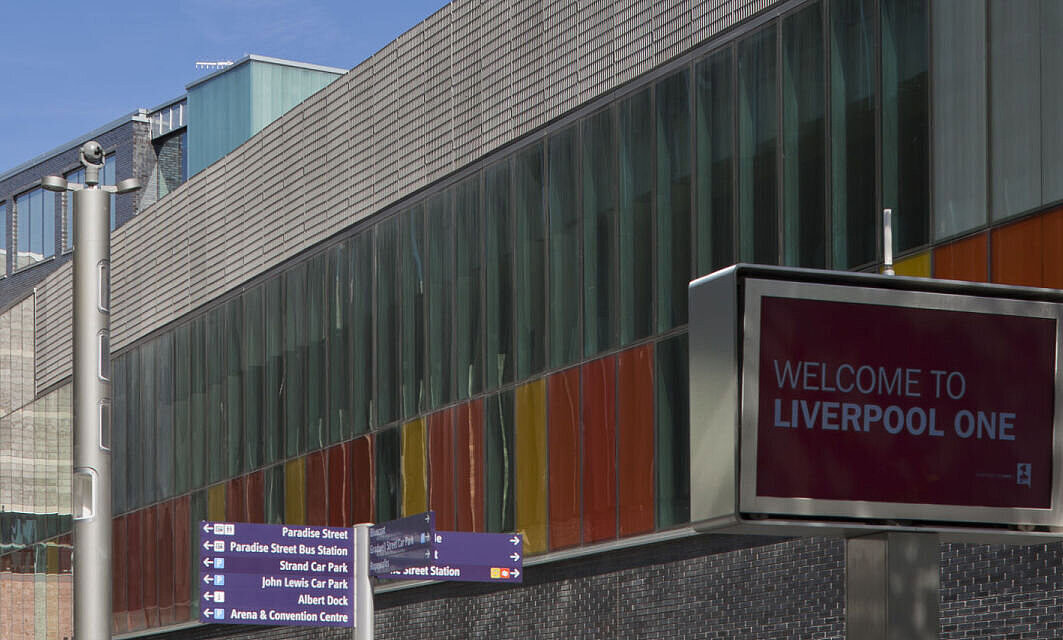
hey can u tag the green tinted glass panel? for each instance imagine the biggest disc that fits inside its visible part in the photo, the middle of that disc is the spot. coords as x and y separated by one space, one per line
563 199
182 387
530 255
599 233
134 435
119 444
388 350
499 464
164 395
412 258
672 433
758 126
234 392
440 224
636 217
273 500
715 113
273 370
388 475
197 402
144 386
498 274
361 354
216 364
469 268
295 348
674 242
252 358
316 359
340 424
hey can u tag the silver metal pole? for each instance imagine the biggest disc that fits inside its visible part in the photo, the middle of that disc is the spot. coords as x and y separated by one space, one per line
887 241
892 582
363 597
92 404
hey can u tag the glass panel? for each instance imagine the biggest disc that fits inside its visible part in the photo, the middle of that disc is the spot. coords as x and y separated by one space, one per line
636 217
758 126
715 162
530 468
339 485
564 458
634 380
469 476
599 232
414 467
498 274
1051 98
234 414
960 112
1015 106
316 362
120 445
362 466
217 428
906 120
441 454
599 449
273 370
388 272
563 199
134 433
387 463
340 424
673 199
498 462
440 226
317 489
530 253
197 403
274 494
361 354
182 433
468 262
853 133
673 428
164 389
295 347
804 169
413 276
295 491
253 361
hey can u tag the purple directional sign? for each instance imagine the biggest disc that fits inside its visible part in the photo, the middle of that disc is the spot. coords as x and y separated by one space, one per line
276 574
397 544
471 557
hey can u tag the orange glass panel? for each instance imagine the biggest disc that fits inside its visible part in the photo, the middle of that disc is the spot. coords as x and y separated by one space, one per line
295 491
255 496
564 454
164 561
363 475
216 503
414 468
962 260
441 466
149 552
1017 253
599 449
635 440
119 576
1052 232
469 466
530 436
339 485
316 489
182 559
134 571
235 509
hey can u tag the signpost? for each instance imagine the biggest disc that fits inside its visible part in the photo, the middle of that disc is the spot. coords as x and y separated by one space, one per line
398 544
471 557
276 574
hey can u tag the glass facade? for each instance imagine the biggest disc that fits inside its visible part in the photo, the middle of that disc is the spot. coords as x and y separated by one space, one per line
34 227
502 345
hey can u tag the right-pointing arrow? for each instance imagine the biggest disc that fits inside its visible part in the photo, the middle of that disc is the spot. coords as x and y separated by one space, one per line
515 573
514 556
514 541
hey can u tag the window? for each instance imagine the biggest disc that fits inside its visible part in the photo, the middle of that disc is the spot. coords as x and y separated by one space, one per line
3 237
35 227
107 176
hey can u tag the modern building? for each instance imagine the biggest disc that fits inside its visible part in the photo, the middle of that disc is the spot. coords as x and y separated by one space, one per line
455 279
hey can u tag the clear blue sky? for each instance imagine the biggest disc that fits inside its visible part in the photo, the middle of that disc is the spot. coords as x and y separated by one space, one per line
143 53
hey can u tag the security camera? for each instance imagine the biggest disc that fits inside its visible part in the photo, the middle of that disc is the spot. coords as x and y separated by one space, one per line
92 152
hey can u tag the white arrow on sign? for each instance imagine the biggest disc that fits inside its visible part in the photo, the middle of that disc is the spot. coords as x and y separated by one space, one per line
514 556
209 579
208 562
208 612
209 595
208 527
514 573
514 541
208 545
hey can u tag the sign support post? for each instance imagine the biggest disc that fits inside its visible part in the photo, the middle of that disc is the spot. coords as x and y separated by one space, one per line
363 591
892 582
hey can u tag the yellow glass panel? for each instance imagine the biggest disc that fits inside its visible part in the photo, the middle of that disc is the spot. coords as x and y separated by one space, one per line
216 503
414 468
295 491
530 427
917 266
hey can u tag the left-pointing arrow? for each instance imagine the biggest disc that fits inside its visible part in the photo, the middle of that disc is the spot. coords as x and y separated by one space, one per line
208 545
209 595
208 527
209 579
208 612
208 562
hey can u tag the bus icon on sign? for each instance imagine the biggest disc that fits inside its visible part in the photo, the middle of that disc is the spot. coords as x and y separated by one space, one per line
1023 472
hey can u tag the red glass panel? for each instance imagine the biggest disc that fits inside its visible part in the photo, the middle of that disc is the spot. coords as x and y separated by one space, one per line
235 508
362 470
563 447
469 466
635 439
254 497
1017 253
599 449
1052 231
316 489
441 468
119 575
182 559
339 485
962 260
164 562
135 571
149 569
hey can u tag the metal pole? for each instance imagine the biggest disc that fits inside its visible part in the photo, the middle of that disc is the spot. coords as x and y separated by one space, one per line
887 241
363 597
892 582
92 404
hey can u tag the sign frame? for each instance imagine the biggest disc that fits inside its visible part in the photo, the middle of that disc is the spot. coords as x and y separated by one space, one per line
724 404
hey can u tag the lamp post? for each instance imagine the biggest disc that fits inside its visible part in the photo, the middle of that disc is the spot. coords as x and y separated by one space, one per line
91 490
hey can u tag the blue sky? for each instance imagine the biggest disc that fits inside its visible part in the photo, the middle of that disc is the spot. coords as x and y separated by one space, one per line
142 54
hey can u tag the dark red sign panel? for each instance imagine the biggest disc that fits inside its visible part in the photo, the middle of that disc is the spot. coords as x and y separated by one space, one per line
898 404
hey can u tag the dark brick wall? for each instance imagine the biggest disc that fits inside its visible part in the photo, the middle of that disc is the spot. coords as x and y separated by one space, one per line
123 141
